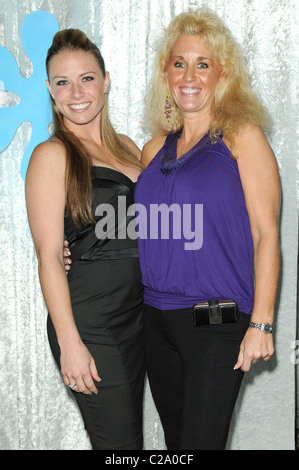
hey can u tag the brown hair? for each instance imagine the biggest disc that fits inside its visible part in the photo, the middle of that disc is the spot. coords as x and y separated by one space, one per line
235 102
78 161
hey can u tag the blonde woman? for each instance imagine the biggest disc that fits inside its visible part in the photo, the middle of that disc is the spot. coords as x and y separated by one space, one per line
206 320
94 323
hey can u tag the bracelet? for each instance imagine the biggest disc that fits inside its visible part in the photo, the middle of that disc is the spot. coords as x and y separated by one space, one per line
264 327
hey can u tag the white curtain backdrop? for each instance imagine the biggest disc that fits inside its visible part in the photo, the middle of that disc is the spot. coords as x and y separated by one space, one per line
36 411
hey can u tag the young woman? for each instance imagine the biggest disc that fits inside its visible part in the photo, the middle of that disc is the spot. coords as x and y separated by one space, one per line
94 324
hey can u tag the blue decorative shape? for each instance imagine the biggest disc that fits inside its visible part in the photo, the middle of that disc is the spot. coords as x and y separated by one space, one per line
37 31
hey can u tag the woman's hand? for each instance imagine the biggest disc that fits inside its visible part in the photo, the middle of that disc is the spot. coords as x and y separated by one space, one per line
255 345
66 257
78 368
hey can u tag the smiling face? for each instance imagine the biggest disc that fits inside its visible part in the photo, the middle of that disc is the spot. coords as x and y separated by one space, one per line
192 75
77 84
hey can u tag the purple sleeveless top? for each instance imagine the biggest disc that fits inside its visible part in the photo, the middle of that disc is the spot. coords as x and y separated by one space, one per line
194 236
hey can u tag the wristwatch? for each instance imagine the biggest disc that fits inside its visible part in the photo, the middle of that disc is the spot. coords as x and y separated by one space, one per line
264 327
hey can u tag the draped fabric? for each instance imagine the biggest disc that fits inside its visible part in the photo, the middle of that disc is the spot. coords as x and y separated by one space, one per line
36 410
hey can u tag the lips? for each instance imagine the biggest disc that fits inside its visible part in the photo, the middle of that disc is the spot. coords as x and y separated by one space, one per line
79 106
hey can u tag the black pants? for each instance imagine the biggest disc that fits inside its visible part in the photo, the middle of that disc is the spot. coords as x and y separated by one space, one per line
190 371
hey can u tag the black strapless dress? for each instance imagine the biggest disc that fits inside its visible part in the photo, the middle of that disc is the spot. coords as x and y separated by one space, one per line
107 301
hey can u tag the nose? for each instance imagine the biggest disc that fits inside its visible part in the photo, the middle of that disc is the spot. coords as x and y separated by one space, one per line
190 74
76 91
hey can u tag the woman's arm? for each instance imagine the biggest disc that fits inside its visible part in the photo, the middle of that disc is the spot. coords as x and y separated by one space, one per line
260 181
45 198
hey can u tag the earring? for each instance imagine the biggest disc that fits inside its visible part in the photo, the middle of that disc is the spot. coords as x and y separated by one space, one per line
167 107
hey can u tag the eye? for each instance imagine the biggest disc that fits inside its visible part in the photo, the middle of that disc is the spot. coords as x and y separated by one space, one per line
61 82
87 79
202 65
179 64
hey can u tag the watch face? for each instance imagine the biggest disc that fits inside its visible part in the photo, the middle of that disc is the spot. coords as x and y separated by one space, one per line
268 328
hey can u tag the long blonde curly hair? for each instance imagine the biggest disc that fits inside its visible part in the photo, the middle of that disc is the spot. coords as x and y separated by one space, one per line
235 103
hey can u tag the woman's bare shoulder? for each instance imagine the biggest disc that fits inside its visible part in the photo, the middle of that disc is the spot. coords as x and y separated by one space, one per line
47 162
50 152
151 148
